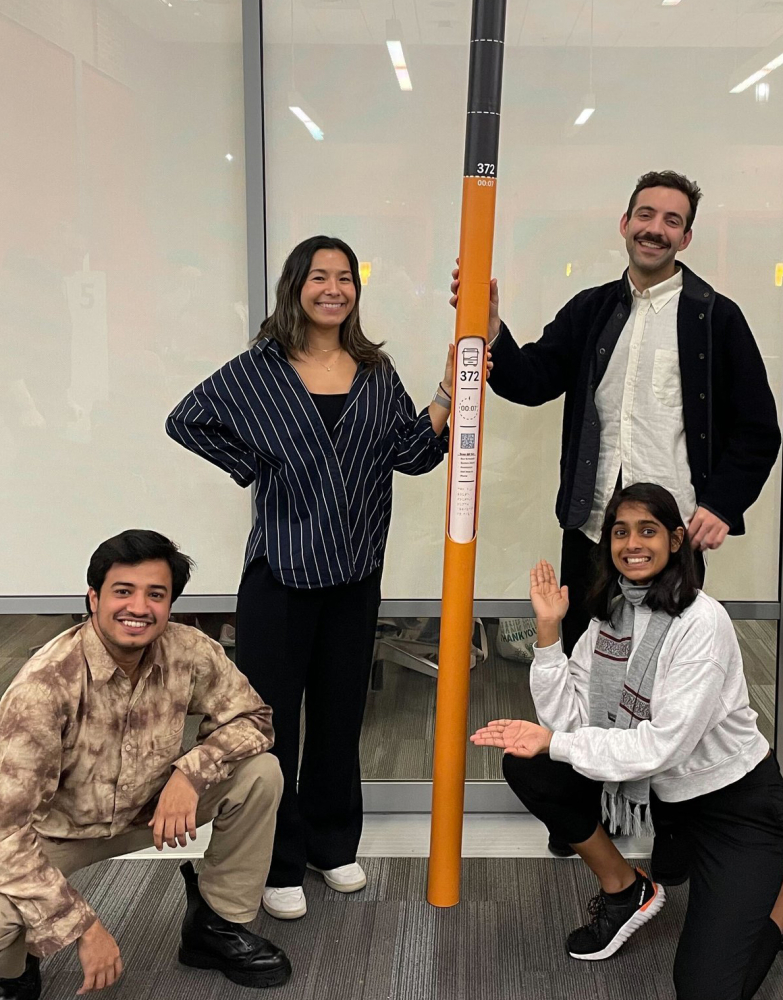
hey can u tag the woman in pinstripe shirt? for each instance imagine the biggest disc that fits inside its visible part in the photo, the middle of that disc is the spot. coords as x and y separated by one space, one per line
316 417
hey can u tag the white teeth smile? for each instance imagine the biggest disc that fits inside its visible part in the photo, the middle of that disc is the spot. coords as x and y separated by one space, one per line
330 305
652 246
634 560
134 624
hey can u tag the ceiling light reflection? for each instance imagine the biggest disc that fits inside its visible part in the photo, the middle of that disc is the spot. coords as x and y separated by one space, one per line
308 123
397 57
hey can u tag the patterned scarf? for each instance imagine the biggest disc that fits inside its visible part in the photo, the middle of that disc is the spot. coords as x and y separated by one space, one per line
620 699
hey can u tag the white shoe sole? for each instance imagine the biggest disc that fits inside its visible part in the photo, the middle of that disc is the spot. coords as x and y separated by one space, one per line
284 914
339 886
653 906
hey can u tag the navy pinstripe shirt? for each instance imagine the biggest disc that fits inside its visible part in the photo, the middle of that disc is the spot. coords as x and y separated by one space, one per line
323 504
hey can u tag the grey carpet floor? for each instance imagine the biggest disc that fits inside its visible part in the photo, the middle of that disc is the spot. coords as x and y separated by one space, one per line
503 942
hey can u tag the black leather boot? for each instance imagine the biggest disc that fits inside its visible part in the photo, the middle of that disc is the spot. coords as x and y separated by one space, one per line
24 987
211 942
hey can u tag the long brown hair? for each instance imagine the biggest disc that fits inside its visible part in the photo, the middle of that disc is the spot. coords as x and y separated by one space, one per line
288 322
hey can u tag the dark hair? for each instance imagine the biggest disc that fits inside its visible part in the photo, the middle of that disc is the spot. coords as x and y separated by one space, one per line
288 321
135 546
674 588
669 179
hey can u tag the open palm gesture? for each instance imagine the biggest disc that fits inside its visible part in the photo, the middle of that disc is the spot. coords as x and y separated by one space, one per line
514 736
549 601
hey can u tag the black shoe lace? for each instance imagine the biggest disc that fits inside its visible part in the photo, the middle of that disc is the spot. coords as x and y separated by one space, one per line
597 910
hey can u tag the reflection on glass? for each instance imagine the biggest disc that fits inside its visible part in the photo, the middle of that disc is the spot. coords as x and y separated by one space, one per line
758 641
400 720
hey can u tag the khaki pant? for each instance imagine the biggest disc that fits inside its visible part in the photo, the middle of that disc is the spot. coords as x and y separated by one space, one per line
242 810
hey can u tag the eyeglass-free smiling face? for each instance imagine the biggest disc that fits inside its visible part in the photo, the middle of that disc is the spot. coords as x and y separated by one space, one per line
134 605
328 294
641 545
654 232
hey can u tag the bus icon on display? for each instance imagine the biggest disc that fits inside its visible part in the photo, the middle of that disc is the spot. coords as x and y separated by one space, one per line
470 357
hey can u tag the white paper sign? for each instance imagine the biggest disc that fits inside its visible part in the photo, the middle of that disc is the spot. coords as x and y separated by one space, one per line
468 387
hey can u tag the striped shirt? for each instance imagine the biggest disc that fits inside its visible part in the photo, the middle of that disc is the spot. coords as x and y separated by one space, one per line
323 504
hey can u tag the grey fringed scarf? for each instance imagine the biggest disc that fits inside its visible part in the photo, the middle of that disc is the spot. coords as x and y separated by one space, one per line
620 698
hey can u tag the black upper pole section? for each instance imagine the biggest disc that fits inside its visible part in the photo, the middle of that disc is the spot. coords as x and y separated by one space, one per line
485 79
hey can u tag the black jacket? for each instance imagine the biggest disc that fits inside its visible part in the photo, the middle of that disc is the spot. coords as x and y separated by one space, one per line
731 426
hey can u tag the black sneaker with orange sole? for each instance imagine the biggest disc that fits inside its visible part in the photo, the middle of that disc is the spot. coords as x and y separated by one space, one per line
612 923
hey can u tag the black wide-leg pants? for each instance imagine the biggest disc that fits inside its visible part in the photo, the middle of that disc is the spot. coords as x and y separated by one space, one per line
317 644
734 839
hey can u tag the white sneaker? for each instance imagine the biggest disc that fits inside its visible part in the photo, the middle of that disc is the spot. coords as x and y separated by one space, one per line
228 636
346 878
288 903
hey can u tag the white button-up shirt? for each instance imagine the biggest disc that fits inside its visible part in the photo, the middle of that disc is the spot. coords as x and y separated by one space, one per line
639 403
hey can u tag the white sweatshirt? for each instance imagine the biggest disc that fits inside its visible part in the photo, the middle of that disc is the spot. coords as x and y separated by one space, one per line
702 735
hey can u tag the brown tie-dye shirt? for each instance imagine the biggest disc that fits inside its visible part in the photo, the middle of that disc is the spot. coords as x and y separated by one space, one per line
84 756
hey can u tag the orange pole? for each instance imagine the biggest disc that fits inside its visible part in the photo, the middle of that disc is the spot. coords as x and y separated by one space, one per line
467 413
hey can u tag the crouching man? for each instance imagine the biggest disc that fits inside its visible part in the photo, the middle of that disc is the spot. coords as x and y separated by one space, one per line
91 767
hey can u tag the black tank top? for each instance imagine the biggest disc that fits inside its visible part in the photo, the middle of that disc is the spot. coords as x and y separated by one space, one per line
330 406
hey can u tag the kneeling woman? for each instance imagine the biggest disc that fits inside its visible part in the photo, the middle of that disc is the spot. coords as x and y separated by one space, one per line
317 419
650 718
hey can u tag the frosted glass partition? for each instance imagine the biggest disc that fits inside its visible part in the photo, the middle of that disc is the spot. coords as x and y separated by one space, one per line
122 278
386 176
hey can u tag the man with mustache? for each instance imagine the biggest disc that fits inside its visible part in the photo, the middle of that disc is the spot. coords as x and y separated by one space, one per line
92 767
663 383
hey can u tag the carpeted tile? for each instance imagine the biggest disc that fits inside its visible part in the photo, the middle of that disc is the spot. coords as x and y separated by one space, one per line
504 941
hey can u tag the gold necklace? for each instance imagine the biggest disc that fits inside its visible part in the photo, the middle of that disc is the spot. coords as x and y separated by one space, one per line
327 367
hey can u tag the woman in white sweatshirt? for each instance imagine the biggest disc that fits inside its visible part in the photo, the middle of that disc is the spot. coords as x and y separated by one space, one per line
650 719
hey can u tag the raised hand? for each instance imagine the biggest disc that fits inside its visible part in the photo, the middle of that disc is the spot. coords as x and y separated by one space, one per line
514 736
549 601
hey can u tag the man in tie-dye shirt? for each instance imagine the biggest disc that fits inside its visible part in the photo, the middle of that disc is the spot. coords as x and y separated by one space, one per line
92 767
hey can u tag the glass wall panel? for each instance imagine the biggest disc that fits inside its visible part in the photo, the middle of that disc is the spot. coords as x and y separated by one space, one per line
397 740
381 167
399 725
122 278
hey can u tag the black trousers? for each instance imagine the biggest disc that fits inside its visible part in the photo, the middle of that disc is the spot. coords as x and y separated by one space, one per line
577 572
734 838
317 644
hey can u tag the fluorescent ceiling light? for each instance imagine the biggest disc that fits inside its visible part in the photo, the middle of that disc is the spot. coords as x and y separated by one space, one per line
583 116
670 3
308 123
768 65
397 56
